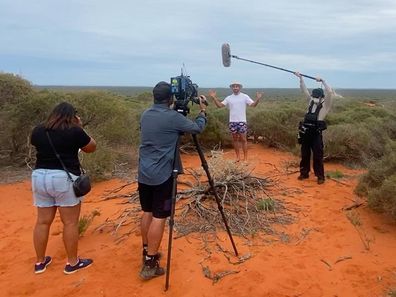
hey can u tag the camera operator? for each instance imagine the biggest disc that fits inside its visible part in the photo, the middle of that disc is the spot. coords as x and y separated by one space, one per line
160 127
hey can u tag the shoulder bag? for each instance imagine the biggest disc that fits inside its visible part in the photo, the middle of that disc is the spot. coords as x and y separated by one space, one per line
82 185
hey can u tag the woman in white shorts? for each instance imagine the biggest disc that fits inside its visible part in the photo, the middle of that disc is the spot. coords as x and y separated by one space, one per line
52 189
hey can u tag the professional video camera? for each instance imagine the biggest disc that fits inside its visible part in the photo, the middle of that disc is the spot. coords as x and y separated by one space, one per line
185 91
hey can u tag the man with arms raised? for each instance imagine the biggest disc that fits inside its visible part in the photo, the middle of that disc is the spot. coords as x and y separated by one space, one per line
236 103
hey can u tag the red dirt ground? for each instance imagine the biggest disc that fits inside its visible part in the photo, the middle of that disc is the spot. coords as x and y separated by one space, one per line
322 254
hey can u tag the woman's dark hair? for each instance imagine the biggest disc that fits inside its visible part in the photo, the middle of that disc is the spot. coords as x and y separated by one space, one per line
63 116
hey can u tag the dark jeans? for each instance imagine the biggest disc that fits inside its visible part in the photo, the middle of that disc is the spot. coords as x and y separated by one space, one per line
312 141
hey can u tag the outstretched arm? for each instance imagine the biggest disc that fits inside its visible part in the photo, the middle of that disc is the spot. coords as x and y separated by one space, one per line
259 95
213 95
303 87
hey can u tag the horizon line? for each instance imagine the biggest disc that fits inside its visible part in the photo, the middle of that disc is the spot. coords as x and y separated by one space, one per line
126 86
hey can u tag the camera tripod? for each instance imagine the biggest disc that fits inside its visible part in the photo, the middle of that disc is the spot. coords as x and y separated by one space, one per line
205 166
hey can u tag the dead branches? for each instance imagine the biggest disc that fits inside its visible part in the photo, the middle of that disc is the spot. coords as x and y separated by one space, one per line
340 259
244 198
216 276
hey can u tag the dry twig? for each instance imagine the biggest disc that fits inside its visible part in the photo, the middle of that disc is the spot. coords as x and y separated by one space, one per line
327 264
245 200
342 259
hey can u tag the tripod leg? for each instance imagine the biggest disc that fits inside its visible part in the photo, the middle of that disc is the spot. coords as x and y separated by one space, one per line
171 223
212 186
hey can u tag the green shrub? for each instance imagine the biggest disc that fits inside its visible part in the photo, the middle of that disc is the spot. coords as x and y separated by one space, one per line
108 115
361 129
100 164
355 111
356 143
358 132
112 120
276 123
266 204
85 221
13 89
216 132
379 184
383 198
21 117
335 174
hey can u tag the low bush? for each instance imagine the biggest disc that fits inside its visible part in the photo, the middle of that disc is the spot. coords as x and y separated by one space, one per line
361 129
357 143
276 123
379 184
13 89
20 118
216 132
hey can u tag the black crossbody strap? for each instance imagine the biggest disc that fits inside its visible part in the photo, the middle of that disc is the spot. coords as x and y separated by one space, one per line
57 155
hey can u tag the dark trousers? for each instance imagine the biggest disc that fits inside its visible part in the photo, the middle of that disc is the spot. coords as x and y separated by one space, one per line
312 141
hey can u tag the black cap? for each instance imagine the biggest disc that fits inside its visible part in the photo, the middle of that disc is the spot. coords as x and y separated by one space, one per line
162 92
317 93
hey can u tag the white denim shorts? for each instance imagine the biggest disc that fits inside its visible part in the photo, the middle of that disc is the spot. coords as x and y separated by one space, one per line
52 187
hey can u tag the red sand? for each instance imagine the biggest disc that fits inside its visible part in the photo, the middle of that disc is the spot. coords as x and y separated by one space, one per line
325 254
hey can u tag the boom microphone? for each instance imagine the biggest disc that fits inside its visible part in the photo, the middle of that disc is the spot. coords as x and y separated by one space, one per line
226 55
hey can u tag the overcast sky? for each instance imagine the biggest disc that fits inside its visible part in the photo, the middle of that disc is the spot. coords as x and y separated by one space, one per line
350 43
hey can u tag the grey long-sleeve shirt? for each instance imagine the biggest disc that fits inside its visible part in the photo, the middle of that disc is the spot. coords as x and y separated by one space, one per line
160 129
327 102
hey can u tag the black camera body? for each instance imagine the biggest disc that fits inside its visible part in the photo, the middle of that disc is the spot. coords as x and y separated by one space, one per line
184 91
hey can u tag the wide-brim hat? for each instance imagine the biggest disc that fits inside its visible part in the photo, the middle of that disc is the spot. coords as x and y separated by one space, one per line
236 83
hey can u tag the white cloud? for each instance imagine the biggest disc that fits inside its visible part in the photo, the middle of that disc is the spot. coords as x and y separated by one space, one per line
123 37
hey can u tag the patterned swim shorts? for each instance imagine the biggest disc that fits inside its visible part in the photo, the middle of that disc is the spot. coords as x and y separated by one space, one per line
238 127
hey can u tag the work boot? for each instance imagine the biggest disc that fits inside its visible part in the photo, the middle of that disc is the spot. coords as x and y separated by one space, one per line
144 254
321 180
151 268
303 176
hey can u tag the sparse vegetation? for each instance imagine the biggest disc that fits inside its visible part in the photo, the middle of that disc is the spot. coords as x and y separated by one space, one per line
335 174
354 218
85 221
110 118
379 184
266 204
361 129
